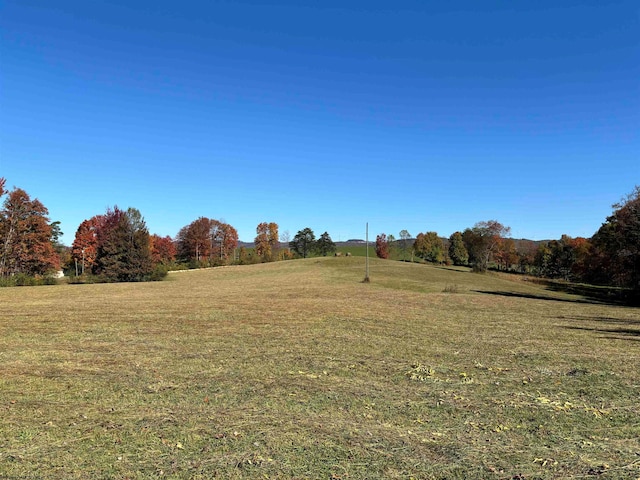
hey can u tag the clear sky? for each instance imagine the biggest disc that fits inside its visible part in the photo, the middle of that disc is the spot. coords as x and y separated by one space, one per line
417 115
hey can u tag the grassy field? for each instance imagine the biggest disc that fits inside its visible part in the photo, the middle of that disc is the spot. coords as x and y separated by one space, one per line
361 251
298 370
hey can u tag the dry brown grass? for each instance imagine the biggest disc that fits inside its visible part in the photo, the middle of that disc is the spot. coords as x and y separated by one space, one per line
300 370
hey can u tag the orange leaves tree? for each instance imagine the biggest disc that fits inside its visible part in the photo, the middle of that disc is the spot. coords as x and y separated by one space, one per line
206 242
26 236
506 253
85 245
267 241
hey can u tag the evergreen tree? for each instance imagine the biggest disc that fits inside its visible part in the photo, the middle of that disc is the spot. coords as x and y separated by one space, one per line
325 245
304 242
123 247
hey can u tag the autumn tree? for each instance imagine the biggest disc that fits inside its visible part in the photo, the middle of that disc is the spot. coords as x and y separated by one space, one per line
304 242
567 258
482 242
163 249
206 242
267 241
582 249
616 245
526 255
457 251
430 247
193 241
506 254
26 236
228 242
286 254
85 245
325 245
382 246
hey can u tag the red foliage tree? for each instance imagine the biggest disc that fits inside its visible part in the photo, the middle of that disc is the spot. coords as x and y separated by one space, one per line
85 245
163 249
193 240
382 246
27 237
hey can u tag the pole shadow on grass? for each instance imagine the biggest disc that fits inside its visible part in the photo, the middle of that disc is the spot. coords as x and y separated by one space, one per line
608 327
539 297
611 320
590 295
618 333
597 293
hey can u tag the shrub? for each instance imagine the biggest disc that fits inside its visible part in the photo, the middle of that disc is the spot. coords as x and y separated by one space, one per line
24 280
49 281
159 272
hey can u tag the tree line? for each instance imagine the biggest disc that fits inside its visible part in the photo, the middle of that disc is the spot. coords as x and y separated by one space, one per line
117 246
610 257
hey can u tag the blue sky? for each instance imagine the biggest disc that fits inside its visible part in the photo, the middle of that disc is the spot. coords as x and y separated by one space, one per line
425 116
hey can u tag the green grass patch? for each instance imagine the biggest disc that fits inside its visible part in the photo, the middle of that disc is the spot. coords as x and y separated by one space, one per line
299 370
361 251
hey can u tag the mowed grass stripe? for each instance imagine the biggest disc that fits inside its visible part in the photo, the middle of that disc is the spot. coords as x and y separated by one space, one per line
299 370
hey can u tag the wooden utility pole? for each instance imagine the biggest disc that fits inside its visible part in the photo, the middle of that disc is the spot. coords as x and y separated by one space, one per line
366 263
